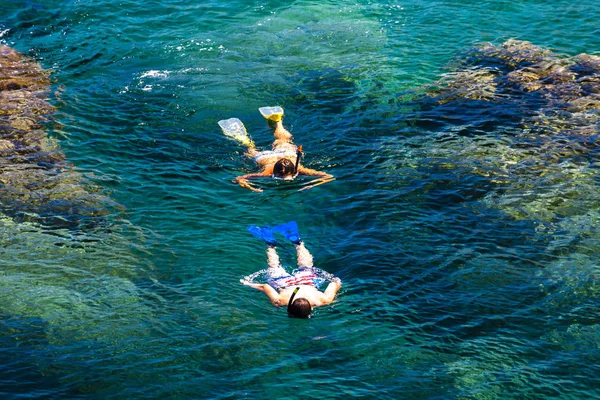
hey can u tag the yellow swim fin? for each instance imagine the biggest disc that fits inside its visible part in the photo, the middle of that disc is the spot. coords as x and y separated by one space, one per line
274 114
235 129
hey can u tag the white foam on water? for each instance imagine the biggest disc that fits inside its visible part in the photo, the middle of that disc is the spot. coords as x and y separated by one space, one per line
155 74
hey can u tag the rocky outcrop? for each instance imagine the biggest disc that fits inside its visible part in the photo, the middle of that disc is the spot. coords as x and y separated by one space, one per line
526 121
554 92
36 182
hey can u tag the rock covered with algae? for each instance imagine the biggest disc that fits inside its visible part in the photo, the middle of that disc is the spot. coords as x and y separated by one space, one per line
526 122
526 118
563 92
36 182
74 296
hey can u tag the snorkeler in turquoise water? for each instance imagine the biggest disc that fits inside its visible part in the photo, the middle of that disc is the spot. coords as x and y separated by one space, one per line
282 162
299 290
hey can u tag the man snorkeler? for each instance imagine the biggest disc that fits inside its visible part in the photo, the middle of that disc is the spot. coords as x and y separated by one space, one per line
299 290
282 162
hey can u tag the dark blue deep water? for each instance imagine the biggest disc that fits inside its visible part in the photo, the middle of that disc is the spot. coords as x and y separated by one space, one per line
470 258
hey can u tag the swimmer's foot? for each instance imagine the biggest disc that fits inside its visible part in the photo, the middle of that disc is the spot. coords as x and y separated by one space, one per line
289 230
274 114
235 129
265 234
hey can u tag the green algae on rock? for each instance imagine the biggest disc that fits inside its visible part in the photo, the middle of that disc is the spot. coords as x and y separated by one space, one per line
563 91
36 182
525 118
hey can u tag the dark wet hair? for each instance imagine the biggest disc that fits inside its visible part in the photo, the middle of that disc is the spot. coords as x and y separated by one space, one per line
300 308
283 168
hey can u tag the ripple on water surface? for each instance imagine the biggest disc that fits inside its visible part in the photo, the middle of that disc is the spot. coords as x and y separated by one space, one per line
462 220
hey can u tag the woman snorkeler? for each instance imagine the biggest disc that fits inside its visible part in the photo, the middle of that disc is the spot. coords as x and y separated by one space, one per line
282 162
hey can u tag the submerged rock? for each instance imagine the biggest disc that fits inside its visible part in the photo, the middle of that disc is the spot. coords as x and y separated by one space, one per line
559 90
36 182
540 114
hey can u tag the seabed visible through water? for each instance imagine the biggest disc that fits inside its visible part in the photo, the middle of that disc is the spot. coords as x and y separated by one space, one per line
463 220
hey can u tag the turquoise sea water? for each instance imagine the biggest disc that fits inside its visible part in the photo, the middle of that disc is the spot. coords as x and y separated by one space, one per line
454 286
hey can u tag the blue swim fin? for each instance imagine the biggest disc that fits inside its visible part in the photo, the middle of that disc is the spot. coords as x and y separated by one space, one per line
289 230
265 234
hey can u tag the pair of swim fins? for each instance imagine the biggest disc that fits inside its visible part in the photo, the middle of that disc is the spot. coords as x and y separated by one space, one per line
235 129
267 234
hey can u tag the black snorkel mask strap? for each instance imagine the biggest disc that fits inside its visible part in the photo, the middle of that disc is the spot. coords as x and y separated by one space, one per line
292 298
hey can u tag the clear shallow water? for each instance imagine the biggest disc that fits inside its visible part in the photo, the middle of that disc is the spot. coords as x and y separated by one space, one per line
454 287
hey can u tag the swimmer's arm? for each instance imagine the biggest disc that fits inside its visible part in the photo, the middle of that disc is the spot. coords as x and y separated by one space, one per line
271 293
324 177
244 181
313 172
331 291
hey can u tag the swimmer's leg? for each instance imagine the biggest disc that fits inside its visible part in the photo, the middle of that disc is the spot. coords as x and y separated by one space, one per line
273 259
281 134
252 152
305 259
275 270
274 116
